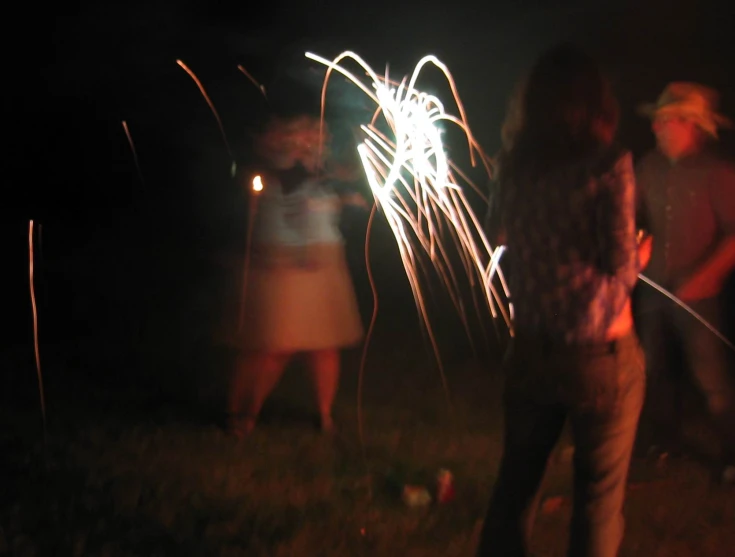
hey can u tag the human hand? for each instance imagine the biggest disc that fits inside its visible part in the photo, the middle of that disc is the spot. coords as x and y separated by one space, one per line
645 246
355 199
699 286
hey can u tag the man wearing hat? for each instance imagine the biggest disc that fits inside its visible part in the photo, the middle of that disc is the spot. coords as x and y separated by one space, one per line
687 202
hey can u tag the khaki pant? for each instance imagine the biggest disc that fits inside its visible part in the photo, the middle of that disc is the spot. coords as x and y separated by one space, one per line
600 390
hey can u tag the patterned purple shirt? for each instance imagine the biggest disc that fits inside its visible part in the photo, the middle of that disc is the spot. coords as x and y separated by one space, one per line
572 258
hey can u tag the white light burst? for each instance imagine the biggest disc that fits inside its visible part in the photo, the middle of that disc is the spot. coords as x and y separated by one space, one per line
416 184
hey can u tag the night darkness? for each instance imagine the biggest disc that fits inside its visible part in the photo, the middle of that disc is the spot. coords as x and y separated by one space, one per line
107 234
124 256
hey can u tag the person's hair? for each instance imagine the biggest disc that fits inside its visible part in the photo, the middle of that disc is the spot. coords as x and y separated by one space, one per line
562 112
294 135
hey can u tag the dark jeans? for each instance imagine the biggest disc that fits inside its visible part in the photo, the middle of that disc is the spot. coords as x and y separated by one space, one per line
600 389
676 342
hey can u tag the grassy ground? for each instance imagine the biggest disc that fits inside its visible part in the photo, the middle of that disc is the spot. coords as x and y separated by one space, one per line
131 473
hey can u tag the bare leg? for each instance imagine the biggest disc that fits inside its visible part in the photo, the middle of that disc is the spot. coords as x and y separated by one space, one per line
255 377
324 367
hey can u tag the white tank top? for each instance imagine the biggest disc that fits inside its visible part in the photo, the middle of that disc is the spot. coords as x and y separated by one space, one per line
309 215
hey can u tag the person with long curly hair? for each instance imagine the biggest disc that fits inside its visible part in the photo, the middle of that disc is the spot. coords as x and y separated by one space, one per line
564 206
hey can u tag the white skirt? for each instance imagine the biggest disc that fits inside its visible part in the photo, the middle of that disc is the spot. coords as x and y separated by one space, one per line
296 299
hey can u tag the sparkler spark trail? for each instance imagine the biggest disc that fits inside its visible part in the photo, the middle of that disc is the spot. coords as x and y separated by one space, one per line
260 86
132 148
214 110
257 187
363 357
414 182
35 328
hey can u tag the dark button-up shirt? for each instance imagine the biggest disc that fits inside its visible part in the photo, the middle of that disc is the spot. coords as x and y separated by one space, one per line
688 206
572 259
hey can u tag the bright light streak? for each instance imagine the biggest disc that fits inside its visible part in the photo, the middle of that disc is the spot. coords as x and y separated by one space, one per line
260 86
203 91
416 185
34 309
257 188
132 148
689 309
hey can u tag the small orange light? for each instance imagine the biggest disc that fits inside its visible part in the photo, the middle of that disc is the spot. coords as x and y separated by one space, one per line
257 184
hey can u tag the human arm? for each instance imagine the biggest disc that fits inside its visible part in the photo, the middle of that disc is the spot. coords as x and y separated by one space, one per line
642 216
616 223
707 280
645 247
354 199
346 177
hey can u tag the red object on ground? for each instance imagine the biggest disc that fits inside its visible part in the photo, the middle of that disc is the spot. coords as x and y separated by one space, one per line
444 486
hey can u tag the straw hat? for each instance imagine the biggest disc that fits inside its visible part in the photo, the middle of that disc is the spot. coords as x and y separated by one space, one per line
691 101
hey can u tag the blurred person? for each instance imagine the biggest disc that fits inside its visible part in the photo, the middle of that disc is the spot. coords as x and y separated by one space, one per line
687 201
564 205
299 298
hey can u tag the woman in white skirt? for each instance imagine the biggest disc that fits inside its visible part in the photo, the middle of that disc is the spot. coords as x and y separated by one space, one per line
299 296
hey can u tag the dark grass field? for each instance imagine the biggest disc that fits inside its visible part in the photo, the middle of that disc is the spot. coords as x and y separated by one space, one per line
136 463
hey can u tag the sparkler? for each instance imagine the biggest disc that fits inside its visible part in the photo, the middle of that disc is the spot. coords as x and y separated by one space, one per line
418 187
257 187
